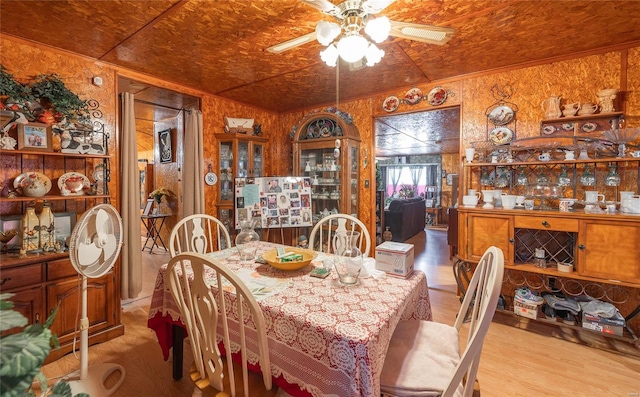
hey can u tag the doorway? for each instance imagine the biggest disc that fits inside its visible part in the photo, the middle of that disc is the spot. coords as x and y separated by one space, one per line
419 154
160 124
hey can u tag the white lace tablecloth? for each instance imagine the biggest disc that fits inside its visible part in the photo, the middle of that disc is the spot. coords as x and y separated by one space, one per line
326 338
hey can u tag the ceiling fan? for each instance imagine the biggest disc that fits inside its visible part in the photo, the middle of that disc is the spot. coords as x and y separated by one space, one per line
355 17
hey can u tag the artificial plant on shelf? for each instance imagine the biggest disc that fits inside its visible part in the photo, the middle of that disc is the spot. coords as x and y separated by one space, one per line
23 353
12 89
63 102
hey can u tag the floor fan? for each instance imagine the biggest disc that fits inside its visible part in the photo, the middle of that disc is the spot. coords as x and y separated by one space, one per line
93 249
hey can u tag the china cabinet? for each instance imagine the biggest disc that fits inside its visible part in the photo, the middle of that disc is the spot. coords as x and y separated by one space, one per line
44 279
240 156
601 245
326 149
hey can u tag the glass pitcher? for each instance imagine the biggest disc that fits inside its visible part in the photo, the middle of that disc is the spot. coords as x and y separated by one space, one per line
348 258
247 241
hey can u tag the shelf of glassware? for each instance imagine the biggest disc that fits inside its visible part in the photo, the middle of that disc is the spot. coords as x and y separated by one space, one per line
240 156
334 189
616 174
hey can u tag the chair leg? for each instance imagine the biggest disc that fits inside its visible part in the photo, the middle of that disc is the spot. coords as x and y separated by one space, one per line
476 388
198 393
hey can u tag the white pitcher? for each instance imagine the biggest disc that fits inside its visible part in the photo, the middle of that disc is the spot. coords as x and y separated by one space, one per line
551 107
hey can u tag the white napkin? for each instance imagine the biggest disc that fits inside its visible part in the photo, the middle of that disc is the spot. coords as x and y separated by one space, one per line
369 269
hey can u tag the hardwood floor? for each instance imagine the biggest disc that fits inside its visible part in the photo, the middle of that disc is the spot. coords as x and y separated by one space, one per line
514 362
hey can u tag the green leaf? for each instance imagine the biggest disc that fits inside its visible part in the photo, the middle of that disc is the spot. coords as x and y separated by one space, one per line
21 353
11 319
17 386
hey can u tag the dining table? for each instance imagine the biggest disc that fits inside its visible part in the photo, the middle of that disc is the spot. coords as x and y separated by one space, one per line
325 338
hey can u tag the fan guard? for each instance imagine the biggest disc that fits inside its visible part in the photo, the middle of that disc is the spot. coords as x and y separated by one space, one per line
94 247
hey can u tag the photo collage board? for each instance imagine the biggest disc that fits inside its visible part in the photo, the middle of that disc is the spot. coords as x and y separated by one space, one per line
273 202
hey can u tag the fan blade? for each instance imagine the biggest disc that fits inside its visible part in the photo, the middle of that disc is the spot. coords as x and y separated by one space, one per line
110 246
287 45
323 5
375 6
102 218
422 33
88 253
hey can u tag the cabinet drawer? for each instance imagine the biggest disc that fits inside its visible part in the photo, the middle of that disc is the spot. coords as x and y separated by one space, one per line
62 268
16 277
546 223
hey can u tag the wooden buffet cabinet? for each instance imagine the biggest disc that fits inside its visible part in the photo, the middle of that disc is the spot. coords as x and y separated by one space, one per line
603 247
42 281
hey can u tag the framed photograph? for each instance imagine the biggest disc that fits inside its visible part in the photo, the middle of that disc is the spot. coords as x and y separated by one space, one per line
34 136
8 223
148 207
165 145
64 221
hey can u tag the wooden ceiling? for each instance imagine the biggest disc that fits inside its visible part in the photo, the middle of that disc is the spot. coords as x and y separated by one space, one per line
220 46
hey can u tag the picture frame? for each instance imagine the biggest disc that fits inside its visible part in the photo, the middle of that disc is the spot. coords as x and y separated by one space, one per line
35 136
147 208
64 222
166 146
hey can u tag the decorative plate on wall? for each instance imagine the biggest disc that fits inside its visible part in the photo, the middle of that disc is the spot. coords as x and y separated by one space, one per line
413 96
549 129
437 96
390 104
589 127
501 115
500 135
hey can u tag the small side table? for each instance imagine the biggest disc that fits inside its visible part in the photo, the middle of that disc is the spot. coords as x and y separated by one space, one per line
154 223
433 215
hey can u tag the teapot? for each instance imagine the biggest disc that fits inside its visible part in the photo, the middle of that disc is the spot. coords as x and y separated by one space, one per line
570 109
35 186
551 107
588 108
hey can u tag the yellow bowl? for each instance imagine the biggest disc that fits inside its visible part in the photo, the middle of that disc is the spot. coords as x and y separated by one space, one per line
271 257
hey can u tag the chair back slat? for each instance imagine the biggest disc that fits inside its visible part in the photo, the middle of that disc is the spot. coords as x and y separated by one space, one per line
205 313
200 233
329 234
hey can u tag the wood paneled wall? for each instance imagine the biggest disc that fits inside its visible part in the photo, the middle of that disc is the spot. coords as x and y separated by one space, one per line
575 79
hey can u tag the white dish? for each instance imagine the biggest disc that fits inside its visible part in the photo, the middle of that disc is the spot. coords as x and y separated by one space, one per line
26 179
73 184
548 129
501 115
500 135
413 96
390 104
437 96
589 127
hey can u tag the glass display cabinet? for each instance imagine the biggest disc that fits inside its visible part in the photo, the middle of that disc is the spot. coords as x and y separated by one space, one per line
326 149
241 156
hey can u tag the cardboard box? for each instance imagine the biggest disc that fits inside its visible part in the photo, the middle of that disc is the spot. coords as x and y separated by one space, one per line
525 310
612 326
395 259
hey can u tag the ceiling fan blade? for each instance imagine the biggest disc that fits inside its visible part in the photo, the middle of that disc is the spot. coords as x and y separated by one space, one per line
289 44
323 5
422 33
375 6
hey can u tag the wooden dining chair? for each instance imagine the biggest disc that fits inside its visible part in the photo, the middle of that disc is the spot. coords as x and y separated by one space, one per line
204 314
329 234
423 358
199 233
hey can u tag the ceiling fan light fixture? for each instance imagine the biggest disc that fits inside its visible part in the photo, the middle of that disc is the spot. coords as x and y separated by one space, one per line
373 54
378 29
326 32
330 55
352 48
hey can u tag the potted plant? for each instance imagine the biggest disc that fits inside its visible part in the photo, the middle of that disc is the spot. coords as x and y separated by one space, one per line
22 355
17 92
64 103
